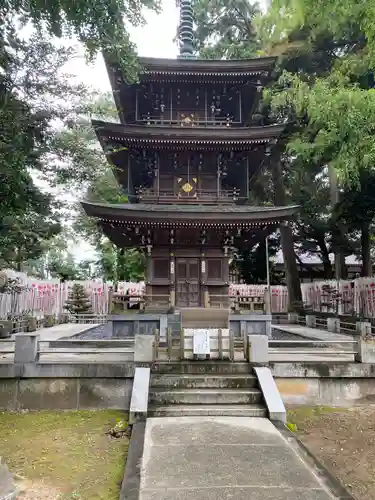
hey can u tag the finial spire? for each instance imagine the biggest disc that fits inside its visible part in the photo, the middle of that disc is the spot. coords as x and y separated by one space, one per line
186 34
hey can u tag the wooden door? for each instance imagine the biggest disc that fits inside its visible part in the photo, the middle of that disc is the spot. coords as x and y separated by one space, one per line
188 283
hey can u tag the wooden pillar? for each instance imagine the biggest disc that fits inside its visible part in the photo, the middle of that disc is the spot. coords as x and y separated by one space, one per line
157 161
203 279
149 270
240 106
172 280
218 174
136 105
247 177
171 104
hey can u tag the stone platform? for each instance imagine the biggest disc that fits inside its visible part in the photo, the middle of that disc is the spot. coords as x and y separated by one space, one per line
127 325
220 458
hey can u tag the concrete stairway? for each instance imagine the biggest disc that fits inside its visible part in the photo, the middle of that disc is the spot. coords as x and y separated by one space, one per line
207 388
204 317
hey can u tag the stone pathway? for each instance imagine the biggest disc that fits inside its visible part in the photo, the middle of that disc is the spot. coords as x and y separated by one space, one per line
223 458
303 332
63 331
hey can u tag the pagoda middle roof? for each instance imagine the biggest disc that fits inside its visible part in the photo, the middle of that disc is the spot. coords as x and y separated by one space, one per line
182 214
133 134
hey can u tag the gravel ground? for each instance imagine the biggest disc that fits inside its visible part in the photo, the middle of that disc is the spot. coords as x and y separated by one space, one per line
104 332
344 440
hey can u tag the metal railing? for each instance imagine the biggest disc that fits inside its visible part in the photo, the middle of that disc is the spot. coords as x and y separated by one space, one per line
89 319
3 346
319 347
89 346
345 327
179 346
201 195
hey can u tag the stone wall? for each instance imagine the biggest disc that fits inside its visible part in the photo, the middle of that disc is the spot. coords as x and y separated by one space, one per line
63 387
38 386
329 384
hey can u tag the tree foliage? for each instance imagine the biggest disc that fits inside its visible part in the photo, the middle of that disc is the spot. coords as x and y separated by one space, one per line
78 301
225 29
98 24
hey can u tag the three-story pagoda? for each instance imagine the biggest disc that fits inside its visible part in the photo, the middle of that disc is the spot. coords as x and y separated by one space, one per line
185 153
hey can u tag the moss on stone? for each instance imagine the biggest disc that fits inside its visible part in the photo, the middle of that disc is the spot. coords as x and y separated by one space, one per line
69 451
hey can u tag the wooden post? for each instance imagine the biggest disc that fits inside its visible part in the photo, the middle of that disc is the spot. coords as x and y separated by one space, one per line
231 345
220 343
172 280
245 340
182 344
206 298
169 343
156 344
110 299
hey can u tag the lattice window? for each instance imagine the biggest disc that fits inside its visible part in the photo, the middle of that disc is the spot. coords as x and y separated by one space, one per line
161 268
214 269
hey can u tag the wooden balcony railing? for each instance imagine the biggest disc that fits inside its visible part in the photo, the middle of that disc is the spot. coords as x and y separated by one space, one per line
200 195
189 118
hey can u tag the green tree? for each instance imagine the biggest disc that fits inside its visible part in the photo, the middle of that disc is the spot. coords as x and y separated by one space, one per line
98 24
35 96
225 28
78 301
252 263
326 96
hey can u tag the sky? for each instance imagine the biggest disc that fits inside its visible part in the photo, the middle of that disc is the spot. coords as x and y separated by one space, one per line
155 39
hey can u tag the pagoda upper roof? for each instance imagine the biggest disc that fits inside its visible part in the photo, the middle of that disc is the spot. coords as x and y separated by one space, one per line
195 136
193 214
156 67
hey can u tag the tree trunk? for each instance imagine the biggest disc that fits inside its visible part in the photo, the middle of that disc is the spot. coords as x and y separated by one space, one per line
290 262
327 266
365 249
340 266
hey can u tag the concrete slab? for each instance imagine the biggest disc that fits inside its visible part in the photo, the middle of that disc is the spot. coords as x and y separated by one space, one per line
62 331
307 333
326 353
281 355
203 458
139 399
66 330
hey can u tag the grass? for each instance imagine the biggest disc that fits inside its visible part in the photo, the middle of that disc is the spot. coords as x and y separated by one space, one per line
303 416
67 450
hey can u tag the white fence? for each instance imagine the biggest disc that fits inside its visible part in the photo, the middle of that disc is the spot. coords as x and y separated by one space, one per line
41 298
356 297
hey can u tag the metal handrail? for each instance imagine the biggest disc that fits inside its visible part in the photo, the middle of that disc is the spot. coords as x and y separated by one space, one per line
130 340
312 342
204 195
10 350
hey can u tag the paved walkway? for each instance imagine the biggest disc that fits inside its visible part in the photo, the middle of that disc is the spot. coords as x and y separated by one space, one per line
223 458
60 331
332 352
311 333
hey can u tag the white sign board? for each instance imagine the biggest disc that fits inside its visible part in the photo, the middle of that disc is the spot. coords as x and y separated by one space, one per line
201 342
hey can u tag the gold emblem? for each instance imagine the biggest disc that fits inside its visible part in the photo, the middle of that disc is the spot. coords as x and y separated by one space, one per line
187 187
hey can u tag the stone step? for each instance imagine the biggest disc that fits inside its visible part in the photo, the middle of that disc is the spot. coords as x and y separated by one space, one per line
191 381
205 323
209 411
201 367
205 396
201 317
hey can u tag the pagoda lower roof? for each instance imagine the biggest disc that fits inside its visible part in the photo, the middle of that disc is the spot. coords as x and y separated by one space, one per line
188 215
205 136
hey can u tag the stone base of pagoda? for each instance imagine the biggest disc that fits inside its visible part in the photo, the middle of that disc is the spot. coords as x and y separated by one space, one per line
128 325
